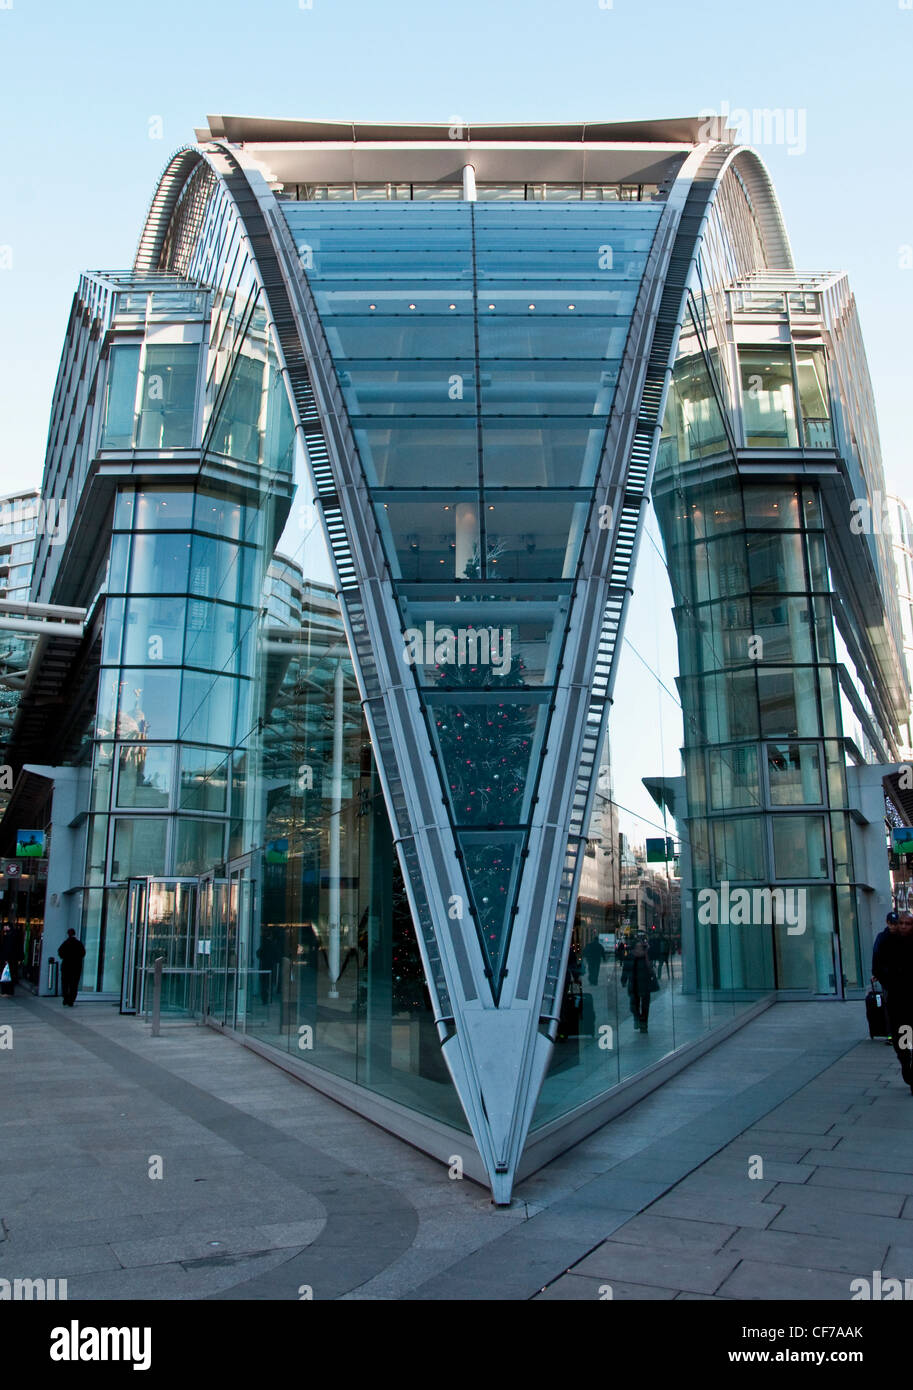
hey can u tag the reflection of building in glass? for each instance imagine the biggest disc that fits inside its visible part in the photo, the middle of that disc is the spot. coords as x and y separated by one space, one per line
356 474
18 528
901 538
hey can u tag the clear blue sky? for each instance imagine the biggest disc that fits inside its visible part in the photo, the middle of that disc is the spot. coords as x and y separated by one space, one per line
81 82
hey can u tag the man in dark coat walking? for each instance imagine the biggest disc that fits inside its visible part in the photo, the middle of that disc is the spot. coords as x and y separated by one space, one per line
892 965
71 953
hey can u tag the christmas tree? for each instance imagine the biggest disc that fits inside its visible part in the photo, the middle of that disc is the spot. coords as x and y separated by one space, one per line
485 752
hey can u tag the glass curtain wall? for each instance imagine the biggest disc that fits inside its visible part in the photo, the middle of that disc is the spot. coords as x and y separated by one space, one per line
767 803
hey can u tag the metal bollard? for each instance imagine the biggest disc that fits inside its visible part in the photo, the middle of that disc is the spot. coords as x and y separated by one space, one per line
157 996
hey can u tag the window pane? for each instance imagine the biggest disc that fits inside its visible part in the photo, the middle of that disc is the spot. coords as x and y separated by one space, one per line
207 710
795 774
771 507
139 847
789 702
738 849
159 562
144 776
148 704
812 375
154 631
799 847
768 404
153 511
120 401
169 396
199 845
204 780
733 777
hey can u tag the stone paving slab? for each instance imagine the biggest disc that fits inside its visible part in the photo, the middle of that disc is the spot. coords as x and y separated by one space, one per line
784 1282
658 1204
670 1269
806 1251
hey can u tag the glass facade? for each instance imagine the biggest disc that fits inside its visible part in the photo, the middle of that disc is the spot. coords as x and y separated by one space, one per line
489 340
416 410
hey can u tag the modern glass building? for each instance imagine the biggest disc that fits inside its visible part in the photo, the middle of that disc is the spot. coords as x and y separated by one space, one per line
462 578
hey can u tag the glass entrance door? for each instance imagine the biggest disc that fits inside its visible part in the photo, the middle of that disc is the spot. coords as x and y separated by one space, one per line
211 919
134 946
240 900
161 915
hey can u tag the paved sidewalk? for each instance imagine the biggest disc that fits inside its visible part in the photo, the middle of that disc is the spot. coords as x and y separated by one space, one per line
817 1193
268 1186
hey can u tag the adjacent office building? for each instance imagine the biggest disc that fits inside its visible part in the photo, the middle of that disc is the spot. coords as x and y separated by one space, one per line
463 571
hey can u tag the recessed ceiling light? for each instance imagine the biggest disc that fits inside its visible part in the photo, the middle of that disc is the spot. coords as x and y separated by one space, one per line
491 306
411 306
531 306
572 306
452 306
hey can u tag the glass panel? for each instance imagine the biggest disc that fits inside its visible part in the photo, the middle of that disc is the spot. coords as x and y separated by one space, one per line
487 747
788 702
813 397
491 862
169 396
795 774
114 631
805 960
139 847
733 777
120 397
112 949
553 453
771 507
200 845
159 562
154 631
118 562
204 780
431 540
144 776
855 976
693 424
237 429
799 847
776 563
768 403
148 704
223 570
410 453
208 708
784 627
153 511
101 776
738 849
225 517
214 635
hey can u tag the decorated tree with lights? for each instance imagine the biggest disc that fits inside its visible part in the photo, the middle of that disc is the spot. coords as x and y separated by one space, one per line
485 751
